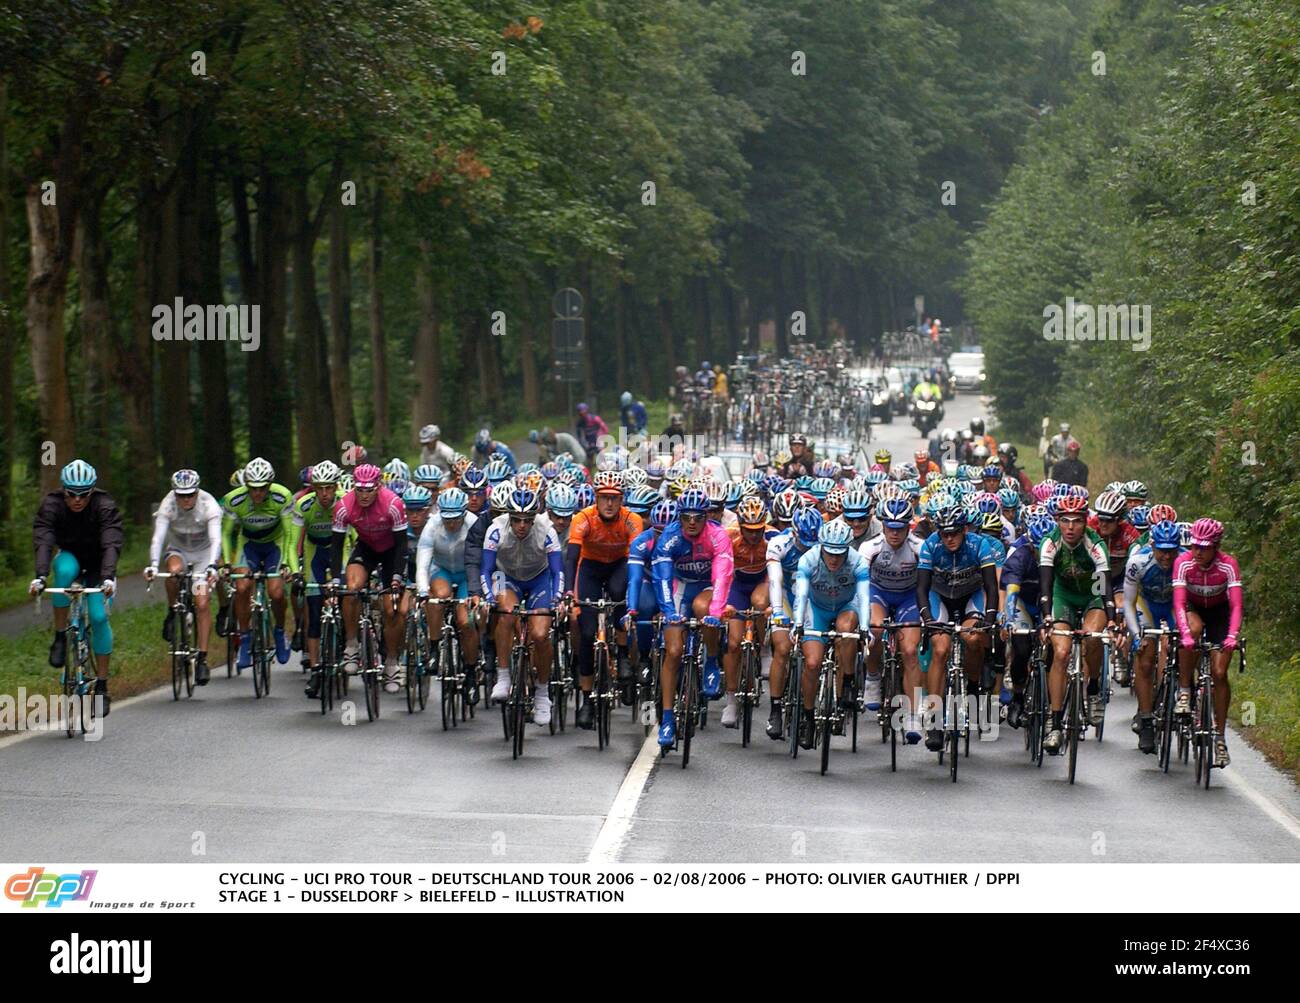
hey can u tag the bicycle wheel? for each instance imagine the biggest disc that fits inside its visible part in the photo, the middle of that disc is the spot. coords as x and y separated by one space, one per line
446 685
601 667
191 648
1074 721
1166 698
370 672
689 694
411 656
178 670
748 688
793 707
71 690
256 644
1037 717
519 698
426 669
263 664
326 667
1205 729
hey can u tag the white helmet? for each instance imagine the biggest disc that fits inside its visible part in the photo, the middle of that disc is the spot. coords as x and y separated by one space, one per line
325 472
185 482
258 473
430 433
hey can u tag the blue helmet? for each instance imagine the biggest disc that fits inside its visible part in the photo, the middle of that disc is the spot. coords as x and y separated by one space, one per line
474 479
586 495
663 513
992 470
1009 498
497 471
417 497
807 525
427 473
561 500
835 537
693 500
642 499
78 476
1140 518
895 513
1039 528
482 440
857 504
452 503
774 484
1166 536
304 475
821 487
734 494
986 503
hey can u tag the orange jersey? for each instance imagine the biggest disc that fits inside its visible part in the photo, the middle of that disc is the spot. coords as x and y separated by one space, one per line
603 541
751 561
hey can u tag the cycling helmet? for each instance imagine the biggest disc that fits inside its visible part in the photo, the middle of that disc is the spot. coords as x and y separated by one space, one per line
755 476
1206 533
950 517
499 497
1185 534
835 537
857 504
1009 498
693 500
586 495
549 469
304 475
775 484
807 525
977 426
533 481
527 468
991 523
1009 451
1163 513
1109 504
662 514
807 500
948 435
981 456
834 503
417 497
1166 536
1116 486
346 483
825 468
883 492
1135 489
608 482
785 505
459 465
733 494
429 433
325 472
752 513
1040 528
237 478
803 483
874 477
748 489
396 470
186 482
1140 518
895 513
1041 491
482 440
883 456
654 471
1060 490
1071 505
497 471
782 457
910 487
473 480
522 502
562 500
986 502
258 473
398 486
452 503
641 499
991 470
821 487
427 473
1078 490
634 477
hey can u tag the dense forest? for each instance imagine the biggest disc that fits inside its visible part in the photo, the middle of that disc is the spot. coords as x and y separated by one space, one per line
400 188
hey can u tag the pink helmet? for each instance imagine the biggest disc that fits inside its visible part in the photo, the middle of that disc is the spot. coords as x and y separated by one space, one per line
1206 533
876 468
367 475
1042 490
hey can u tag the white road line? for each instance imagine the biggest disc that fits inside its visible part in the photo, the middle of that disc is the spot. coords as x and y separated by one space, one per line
612 835
1262 801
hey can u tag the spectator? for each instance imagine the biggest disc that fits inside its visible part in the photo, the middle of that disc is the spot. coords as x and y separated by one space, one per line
1071 470
720 390
433 449
551 444
1056 449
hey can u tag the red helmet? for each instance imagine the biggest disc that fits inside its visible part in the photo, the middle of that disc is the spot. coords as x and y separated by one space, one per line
1071 505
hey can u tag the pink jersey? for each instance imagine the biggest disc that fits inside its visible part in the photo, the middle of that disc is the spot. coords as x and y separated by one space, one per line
375 523
1212 586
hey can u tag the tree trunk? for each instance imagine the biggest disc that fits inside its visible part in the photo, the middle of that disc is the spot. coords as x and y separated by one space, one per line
588 335
731 319
315 427
269 434
133 372
96 322
620 338
782 304
216 428
527 360
378 355
340 306
426 402
668 343
8 331
176 424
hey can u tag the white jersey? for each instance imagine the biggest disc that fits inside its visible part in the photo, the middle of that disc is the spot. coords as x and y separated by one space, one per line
439 453
440 549
892 570
713 468
523 560
196 533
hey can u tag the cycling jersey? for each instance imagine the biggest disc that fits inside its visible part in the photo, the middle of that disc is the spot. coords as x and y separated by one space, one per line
956 573
1020 577
1078 569
638 558
998 548
93 536
703 561
892 570
601 540
195 533
522 560
750 559
375 523
783 554
1148 591
819 589
309 523
1207 589
441 550
1119 545
267 523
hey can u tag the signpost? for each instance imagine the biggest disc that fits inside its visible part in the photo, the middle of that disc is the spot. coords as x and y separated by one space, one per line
567 345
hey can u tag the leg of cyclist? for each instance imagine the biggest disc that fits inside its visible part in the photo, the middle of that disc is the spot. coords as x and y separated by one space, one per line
1094 620
1187 659
507 600
279 603
846 649
781 648
1064 616
814 650
940 646
173 565
712 642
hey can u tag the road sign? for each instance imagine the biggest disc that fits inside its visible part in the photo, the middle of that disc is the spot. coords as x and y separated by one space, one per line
567 303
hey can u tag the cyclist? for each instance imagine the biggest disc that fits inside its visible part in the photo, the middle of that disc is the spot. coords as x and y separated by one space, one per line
311 539
883 459
487 449
595 562
692 567
638 559
590 428
831 586
784 552
1109 520
891 560
379 518
1207 602
956 583
82 522
550 444
1074 574
749 542
188 526
440 571
1019 582
522 562
497 501
925 466
860 519
632 413
1148 602
259 510
433 450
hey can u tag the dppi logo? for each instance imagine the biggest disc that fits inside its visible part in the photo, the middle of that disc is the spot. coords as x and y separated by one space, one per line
36 887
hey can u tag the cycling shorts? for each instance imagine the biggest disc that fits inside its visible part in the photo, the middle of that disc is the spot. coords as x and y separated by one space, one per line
684 594
1216 620
1155 614
742 591
899 606
264 557
370 559
821 619
536 592
950 609
458 581
1070 607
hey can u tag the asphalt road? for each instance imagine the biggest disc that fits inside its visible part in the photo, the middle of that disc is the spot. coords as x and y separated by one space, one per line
226 777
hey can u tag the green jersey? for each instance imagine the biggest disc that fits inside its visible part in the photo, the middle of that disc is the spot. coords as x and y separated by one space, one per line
264 523
1079 570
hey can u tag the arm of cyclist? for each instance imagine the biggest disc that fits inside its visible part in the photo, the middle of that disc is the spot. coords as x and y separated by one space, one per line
297 525
44 535
924 575
776 592
989 573
399 549
161 521
799 604
724 569
1130 600
555 562
424 566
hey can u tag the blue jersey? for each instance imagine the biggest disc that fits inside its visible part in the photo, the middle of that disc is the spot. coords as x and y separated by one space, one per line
706 560
1021 569
998 548
818 585
956 574
638 561
1152 583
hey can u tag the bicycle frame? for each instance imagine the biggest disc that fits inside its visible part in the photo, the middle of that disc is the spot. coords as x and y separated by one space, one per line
73 675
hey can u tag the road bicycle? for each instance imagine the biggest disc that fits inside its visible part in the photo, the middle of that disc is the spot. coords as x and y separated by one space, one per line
604 692
749 691
688 702
563 680
448 663
416 651
77 676
1036 711
183 644
1166 722
262 641
956 709
331 680
892 696
828 713
517 710
1074 721
1204 729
